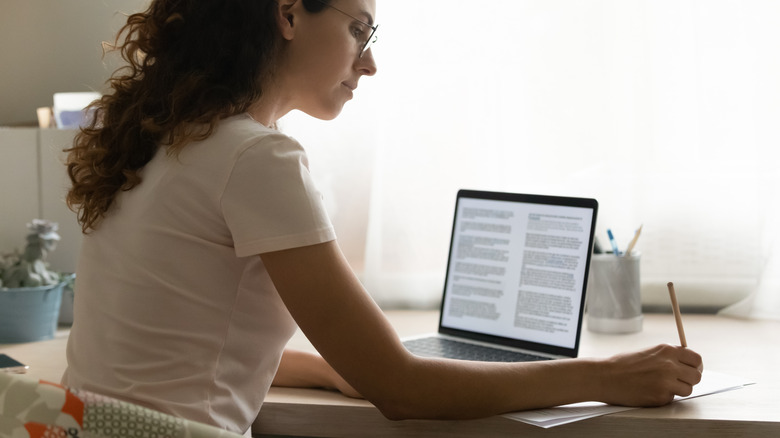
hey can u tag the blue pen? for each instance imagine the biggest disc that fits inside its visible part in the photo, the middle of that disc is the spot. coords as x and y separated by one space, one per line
613 242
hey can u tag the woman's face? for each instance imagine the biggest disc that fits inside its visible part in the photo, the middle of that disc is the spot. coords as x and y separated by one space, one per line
322 57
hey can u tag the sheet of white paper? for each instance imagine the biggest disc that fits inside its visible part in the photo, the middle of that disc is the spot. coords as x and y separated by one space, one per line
711 382
565 414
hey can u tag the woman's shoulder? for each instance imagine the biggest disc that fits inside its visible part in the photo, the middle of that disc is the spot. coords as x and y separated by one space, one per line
244 125
243 133
239 139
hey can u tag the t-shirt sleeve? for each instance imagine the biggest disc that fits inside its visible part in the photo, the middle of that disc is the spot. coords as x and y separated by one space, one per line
270 201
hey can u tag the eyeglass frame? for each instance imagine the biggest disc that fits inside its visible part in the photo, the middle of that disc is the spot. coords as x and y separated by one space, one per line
371 37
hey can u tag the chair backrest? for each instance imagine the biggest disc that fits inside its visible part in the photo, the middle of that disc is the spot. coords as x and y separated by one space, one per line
40 409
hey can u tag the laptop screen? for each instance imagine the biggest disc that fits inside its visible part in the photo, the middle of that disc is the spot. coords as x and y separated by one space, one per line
518 269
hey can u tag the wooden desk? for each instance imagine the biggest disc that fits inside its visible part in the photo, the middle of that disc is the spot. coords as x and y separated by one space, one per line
747 349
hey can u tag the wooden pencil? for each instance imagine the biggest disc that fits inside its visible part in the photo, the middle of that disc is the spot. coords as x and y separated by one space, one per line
677 315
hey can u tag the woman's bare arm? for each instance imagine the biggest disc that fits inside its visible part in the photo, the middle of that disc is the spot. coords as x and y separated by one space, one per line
301 369
352 334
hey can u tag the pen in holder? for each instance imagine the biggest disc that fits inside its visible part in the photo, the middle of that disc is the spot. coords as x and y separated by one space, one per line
614 300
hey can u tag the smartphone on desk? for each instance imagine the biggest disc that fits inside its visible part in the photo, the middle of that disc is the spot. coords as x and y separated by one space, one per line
11 365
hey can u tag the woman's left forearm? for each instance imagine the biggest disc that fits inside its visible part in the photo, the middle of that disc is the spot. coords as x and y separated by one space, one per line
300 369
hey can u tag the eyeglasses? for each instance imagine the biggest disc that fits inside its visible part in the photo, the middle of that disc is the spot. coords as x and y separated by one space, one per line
364 46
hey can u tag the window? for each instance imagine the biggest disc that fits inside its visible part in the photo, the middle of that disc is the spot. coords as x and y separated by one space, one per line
665 111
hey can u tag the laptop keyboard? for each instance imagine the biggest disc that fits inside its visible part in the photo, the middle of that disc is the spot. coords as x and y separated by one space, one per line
451 349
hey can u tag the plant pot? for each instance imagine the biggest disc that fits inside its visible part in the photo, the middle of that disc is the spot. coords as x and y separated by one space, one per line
29 314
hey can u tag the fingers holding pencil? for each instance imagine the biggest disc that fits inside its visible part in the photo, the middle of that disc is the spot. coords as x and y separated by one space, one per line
652 376
644 378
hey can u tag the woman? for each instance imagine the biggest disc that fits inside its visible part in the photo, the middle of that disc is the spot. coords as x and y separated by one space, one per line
206 240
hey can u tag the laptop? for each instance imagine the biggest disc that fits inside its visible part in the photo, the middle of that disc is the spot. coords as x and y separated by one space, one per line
516 278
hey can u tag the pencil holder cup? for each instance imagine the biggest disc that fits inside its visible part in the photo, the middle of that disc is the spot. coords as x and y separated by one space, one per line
614 300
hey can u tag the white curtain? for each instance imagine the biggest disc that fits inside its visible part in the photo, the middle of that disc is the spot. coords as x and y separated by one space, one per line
666 111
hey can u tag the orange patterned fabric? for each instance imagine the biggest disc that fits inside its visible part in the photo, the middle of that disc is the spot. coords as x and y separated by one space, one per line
39 409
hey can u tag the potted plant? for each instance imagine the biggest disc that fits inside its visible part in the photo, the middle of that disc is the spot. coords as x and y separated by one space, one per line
30 293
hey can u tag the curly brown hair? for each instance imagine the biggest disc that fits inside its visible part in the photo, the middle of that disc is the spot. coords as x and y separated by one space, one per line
190 63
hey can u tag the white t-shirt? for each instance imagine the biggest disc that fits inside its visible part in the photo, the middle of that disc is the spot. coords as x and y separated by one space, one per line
174 309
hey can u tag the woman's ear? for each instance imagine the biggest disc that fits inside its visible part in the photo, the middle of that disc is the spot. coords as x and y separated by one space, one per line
285 17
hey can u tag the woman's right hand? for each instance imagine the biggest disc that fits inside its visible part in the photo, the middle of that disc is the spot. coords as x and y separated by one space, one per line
651 377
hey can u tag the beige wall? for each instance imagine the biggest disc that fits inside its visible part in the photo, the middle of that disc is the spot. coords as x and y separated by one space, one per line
34 183
47 47
19 185
51 46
